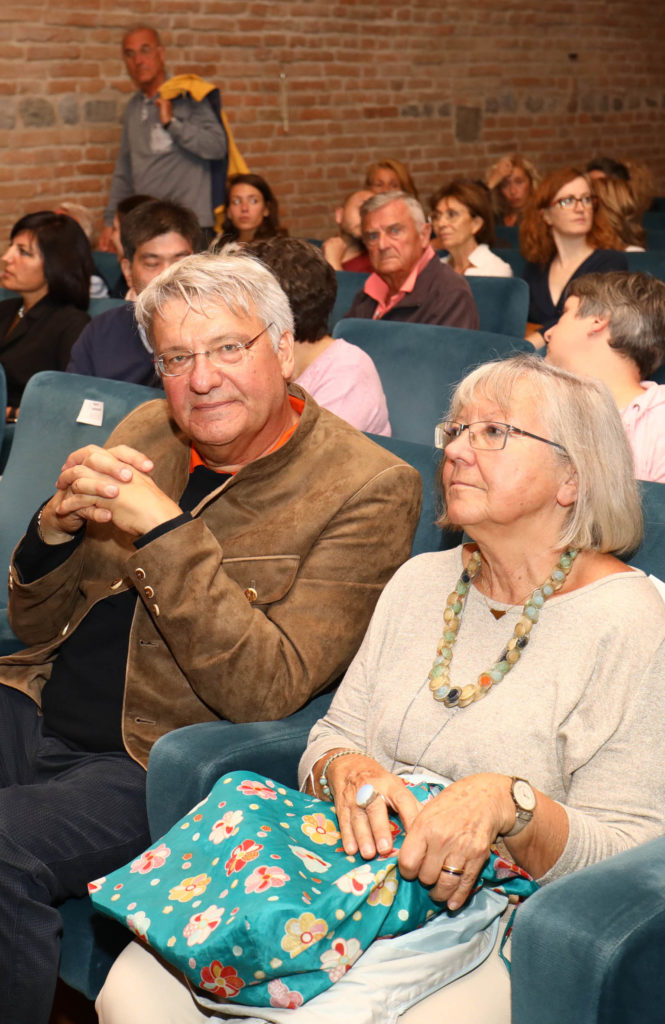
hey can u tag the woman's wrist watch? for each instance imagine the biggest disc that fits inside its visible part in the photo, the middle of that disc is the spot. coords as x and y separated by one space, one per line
524 799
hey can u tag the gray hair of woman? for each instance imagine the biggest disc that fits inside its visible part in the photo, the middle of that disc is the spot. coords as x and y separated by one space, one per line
207 281
581 416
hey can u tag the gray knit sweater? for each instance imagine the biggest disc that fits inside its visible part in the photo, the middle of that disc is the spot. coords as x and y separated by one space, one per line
582 715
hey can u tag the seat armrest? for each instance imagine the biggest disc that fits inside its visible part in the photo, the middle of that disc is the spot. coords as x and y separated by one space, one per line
186 763
589 948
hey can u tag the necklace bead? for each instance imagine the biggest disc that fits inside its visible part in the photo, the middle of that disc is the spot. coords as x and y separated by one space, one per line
439 674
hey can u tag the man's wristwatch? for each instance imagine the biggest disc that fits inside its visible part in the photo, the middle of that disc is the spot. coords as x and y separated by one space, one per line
524 799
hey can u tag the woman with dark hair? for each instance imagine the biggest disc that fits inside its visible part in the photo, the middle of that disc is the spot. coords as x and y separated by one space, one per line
464 225
252 211
49 263
564 234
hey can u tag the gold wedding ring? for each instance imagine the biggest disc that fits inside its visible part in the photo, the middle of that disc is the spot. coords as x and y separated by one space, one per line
451 871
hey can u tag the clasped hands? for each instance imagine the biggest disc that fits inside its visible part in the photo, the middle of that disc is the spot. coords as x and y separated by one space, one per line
454 829
105 485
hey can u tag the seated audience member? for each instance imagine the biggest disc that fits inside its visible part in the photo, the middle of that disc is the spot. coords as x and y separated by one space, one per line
607 167
389 176
617 200
181 574
252 211
642 185
154 235
409 283
613 328
121 290
49 264
511 180
464 225
346 250
124 207
563 235
83 217
341 377
552 755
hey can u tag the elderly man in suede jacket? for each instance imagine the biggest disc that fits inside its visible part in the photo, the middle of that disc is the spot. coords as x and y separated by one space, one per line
219 558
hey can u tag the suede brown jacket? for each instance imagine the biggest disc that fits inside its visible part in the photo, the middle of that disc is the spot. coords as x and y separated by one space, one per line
252 606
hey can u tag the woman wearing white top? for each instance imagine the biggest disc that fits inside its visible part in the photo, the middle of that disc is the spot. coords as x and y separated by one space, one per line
463 224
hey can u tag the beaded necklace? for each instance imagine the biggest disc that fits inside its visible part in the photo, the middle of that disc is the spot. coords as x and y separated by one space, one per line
439 675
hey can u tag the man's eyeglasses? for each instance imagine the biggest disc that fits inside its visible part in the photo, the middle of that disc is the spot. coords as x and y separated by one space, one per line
566 202
176 362
484 435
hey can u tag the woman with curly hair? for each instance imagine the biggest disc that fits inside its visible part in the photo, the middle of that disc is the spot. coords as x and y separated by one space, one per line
564 234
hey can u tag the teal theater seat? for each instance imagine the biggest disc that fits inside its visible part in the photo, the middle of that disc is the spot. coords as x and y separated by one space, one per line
590 948
420 364
503 304
98 306
3 426
107 266
349 283
649 262
45 433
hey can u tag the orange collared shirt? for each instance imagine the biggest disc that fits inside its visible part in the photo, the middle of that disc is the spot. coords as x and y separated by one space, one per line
297 404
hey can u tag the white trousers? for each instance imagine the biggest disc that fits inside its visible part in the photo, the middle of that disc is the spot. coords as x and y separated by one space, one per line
141 989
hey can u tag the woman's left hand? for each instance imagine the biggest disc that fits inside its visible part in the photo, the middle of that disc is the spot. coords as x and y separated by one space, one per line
454 831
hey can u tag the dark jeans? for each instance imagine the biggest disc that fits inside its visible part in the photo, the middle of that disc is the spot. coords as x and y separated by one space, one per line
66 817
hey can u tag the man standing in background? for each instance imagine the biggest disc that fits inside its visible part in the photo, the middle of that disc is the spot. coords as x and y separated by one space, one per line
173 148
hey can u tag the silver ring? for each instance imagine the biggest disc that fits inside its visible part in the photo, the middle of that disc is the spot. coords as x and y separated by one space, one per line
366 795
446 869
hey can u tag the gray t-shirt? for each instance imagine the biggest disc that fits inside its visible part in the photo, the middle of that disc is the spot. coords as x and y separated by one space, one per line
581 716
168 163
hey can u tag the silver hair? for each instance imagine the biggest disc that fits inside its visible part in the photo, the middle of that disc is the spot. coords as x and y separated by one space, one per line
581 415
206 281
383 198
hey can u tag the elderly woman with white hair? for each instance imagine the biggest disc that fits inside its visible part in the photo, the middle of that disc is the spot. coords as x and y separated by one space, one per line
521 666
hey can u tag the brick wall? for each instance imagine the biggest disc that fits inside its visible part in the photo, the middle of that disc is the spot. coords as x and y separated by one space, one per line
316 90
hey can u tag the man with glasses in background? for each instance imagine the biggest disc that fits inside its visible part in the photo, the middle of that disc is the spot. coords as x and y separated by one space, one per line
219 558
171 148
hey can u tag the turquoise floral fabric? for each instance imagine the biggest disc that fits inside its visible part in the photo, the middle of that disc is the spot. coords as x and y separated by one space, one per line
252 897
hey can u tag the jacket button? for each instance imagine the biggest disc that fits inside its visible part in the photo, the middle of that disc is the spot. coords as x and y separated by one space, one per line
251 594
140 574
64 629
148 591
155 609
116 583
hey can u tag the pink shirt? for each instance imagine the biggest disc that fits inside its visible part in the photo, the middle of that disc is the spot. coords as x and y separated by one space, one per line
344 380
378 290
644 421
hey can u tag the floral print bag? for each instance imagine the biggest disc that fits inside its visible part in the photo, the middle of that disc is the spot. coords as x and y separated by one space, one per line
253 899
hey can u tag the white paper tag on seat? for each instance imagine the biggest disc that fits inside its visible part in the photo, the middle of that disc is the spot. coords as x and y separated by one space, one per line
92 413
